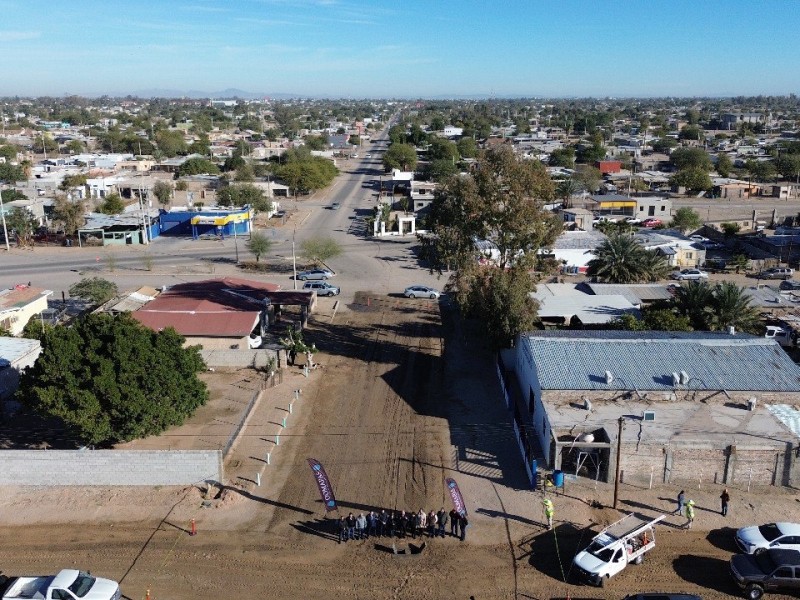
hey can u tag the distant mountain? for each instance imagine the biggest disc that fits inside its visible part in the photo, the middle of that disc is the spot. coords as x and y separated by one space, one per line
229 93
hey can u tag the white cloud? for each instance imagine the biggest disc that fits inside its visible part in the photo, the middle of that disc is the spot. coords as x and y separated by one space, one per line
16 36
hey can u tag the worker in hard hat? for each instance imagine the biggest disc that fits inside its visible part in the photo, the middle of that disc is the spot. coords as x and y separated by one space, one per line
547 504
689 514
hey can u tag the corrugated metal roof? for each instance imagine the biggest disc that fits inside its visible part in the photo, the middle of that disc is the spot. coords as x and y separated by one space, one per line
578 360
635 293
12 349
562 300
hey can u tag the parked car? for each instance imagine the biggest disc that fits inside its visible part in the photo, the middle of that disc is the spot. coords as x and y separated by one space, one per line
651 222
633 221
315 274
789 285
68 583
777 273
368 155
773 570
698 238
689 274
421 291
336 206
323 288
758 538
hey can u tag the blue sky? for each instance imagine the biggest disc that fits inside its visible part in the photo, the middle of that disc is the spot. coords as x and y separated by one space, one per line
408 48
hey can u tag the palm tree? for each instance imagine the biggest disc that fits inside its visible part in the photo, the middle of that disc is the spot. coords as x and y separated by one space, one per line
620 259
567 189
693 300
731 307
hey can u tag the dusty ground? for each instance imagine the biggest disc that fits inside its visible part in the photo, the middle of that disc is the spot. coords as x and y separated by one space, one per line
404 398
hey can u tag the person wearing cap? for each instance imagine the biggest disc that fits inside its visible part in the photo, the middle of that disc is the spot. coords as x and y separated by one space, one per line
724 499
689 514
547 504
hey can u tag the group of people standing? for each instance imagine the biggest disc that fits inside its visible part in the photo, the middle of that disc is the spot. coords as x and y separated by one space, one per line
688 506
401 524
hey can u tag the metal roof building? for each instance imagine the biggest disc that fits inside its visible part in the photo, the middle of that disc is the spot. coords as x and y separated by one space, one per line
690 405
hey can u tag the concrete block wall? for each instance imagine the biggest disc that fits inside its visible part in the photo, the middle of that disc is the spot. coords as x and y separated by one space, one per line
637 463
238 358
109 467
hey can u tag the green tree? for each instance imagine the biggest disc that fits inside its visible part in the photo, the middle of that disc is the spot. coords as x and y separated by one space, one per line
171 142
731 308
442 149
112 205
245 173
400 156
567 189
244 194
440 169
730 229
11 173
693 301
691 158
72 181
75 147
761 170
467 147
590 154
316 142
654 319
202 145
693 179
501 301
354 140
259 244
691 132
9 152
562 157
620 259
198 166
109 379
95 290
685 219
739 262
44 142
320 250
663 144
588 177
724 165
69 213
23 223
162 190
788 166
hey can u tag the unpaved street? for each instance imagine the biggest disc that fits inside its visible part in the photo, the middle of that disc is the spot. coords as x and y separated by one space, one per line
405 398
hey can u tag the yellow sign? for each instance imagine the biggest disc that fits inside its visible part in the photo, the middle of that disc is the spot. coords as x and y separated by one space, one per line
618 204
221 221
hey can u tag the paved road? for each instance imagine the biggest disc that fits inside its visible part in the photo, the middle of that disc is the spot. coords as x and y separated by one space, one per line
382 265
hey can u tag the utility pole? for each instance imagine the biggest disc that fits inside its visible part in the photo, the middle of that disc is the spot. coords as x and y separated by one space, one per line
3 217
236 241
294 261
619 453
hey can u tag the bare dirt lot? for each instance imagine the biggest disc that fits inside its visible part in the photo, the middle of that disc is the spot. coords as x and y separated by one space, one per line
406 396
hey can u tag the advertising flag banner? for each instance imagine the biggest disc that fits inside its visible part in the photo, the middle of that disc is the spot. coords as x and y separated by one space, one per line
455 495
323 483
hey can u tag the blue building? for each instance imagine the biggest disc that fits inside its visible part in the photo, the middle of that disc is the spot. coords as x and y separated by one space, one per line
207 221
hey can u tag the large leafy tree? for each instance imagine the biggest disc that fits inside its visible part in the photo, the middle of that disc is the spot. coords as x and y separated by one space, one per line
110 379
500 201
70 213
685 219
112 205
242 194
693 301
320 249
400 156
163 192
691 158
94 289
621 259
198 166
22 222
692 178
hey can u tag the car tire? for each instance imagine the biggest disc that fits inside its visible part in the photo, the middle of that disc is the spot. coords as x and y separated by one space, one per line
758 551
412 296
303 278
432 296
754 592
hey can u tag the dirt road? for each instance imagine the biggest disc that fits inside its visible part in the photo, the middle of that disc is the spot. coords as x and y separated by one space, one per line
403 400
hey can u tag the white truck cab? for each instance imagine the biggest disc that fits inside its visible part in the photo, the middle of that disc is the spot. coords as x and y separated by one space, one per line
615 547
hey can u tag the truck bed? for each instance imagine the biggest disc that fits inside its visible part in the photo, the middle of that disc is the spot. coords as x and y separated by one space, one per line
28 588
627 526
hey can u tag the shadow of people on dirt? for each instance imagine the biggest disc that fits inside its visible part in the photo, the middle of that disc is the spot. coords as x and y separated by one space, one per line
325 528
707 572
510 517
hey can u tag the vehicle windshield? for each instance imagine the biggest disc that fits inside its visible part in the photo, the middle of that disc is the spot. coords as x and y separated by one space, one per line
770 531
765 562
602 552
82 584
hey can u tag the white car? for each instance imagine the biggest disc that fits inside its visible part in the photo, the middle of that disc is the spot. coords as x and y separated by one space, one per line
315 274
758 538
421 291
698 238
633 221
689 274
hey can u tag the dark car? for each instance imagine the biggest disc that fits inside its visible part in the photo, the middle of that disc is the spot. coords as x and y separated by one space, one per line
787 284
771 570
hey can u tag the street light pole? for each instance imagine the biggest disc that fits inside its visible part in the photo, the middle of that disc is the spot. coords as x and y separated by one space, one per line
236 242
619 452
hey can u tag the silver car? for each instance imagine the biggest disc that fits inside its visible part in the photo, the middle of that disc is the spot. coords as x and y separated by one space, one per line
421 291
315 274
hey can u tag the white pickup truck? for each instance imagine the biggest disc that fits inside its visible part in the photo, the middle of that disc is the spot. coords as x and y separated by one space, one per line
69 584
614 548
